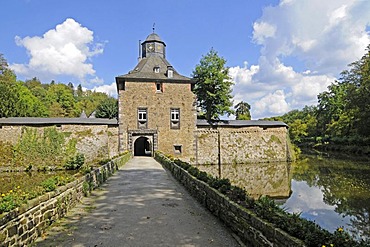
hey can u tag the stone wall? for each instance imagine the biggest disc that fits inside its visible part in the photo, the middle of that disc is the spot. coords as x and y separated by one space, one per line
95 141
252 230
158 104
23 225
241 145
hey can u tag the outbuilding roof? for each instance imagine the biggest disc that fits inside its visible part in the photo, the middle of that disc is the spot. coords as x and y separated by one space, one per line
241 123
56 121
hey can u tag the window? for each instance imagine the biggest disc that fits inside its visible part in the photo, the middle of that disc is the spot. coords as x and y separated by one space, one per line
121 85
175 118
156 69
142 115
142 118
175 115
159 87
177 149
169 72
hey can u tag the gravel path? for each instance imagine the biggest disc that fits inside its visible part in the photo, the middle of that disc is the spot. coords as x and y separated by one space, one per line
141 205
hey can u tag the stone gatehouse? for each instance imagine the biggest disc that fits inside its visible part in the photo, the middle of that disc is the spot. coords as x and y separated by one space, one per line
157 111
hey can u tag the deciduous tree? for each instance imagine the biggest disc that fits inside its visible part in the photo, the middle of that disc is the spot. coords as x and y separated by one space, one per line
107 109
243 111
213 86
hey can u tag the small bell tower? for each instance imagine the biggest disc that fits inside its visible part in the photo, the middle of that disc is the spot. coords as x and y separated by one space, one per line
153 46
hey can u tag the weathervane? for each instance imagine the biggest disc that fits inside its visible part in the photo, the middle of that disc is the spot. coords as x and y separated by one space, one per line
153 27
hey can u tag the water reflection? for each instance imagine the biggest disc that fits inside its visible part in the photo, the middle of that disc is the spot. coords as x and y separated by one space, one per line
332 192
257 179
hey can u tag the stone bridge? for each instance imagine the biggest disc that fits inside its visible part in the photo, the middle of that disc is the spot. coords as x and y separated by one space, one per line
140 205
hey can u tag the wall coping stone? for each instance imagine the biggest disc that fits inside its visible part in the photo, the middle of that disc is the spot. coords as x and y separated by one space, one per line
53 121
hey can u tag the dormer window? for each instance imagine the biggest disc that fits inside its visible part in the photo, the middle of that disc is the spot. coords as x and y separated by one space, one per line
169 72
156 69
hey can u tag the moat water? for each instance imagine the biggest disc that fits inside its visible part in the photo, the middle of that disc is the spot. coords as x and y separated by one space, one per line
333 192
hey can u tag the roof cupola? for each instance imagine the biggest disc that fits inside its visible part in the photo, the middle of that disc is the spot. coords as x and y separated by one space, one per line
153 46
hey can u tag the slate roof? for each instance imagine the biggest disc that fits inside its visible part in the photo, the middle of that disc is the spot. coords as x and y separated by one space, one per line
144 70
55 121
153 37
242 123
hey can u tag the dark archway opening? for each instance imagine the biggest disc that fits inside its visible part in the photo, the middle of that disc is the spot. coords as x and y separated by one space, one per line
142 147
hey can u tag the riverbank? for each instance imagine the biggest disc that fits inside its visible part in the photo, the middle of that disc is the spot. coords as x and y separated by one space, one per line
336 150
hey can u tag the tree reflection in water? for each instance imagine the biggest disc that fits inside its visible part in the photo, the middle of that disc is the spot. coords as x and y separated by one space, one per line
332 192
345 185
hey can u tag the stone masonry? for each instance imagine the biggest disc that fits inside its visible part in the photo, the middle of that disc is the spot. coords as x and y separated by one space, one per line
95 138
23 225
241 145
158 105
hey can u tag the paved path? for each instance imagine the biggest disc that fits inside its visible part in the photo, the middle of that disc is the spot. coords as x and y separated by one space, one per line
141 205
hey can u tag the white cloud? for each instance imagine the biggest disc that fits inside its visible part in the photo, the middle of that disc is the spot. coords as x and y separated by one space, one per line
111 89
304 45
96 80
272 103
63 51
263 30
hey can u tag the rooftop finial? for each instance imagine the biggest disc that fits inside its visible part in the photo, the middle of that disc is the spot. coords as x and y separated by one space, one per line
153 27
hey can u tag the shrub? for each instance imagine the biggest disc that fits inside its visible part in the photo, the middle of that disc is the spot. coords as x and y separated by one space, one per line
193 171
86 188
182 164
203 176
237 194
8 202
75 162
217 183
49 185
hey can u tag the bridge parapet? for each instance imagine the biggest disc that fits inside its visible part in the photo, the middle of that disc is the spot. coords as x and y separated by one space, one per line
247 225
25 224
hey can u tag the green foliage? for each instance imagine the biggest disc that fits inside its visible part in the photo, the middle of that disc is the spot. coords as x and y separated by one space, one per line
6 153
242 111
213 86
35 99
107 109
49 184
9 201
182 164
8 98
86 188
75 163
42 149
61 101
342 115
17 196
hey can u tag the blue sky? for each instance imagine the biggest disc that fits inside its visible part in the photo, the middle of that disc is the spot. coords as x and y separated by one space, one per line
281 54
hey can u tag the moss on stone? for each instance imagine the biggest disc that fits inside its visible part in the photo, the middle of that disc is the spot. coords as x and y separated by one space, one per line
84 133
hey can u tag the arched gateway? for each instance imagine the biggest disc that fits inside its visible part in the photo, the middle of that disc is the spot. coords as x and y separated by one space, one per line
142 146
